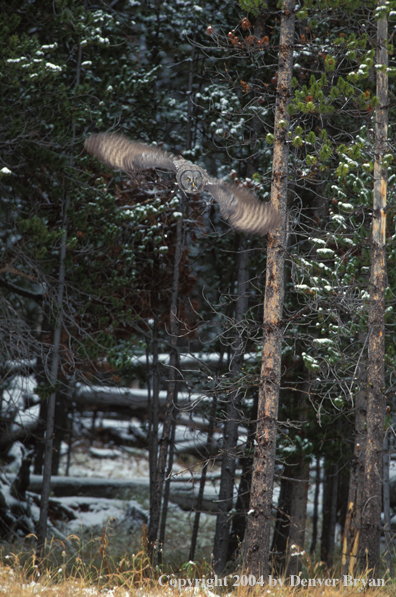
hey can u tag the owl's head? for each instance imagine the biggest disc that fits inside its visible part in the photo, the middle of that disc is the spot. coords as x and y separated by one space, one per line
191 181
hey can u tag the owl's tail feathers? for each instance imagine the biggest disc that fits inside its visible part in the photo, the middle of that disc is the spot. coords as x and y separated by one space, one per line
120 153
243 210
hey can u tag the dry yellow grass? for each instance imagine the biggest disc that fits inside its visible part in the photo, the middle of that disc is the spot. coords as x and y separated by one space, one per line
69 572
16 584
17 581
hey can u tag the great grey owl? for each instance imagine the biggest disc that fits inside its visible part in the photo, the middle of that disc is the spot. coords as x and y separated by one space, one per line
239 206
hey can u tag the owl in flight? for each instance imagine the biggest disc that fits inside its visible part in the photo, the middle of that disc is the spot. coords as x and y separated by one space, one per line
239 206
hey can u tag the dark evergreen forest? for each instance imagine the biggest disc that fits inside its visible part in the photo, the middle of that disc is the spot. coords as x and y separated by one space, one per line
256 373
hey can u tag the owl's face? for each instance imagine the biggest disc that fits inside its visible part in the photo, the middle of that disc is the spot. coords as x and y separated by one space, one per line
191 181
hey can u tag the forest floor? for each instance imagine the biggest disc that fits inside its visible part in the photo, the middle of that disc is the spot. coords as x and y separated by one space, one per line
15 583
101 520
95 556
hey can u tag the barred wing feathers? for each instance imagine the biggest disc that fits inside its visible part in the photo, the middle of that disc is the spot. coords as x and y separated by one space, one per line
119 152
241 207
243 210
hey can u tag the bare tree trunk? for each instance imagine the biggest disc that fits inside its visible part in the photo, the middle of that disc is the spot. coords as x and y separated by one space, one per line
41 379
42 526
353 522
202 482
165 501
239 520
70 447
315 516
153 409
260 514
371 519
53 377
230 436
156 495
333 515
40 438
330 489
60 428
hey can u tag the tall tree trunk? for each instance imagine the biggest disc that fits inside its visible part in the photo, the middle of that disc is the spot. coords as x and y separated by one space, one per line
315 516
171 398
153 409
165 501
42 380
45 492
239 520
353 522
53 377
371 519
230 435
70 444
260 513
202 482
60 428
330 489
333 515
39 437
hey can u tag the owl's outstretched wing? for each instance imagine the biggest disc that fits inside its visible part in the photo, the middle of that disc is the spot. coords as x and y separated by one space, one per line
119 152
242 209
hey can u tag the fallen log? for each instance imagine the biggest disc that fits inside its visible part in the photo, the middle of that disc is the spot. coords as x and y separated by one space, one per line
184 494
108 397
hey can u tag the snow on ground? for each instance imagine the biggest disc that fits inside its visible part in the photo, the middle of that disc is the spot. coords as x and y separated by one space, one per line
129 463
95 512
113 463
121 520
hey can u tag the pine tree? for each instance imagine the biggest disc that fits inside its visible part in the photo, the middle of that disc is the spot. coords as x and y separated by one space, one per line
259 520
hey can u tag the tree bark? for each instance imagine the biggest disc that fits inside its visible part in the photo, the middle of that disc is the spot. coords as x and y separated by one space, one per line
239 520
230 436
353 522
371 519
202 482
153 395
49 436
260 513
315 516
53 377
171 399
165 501
60 428
330 489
